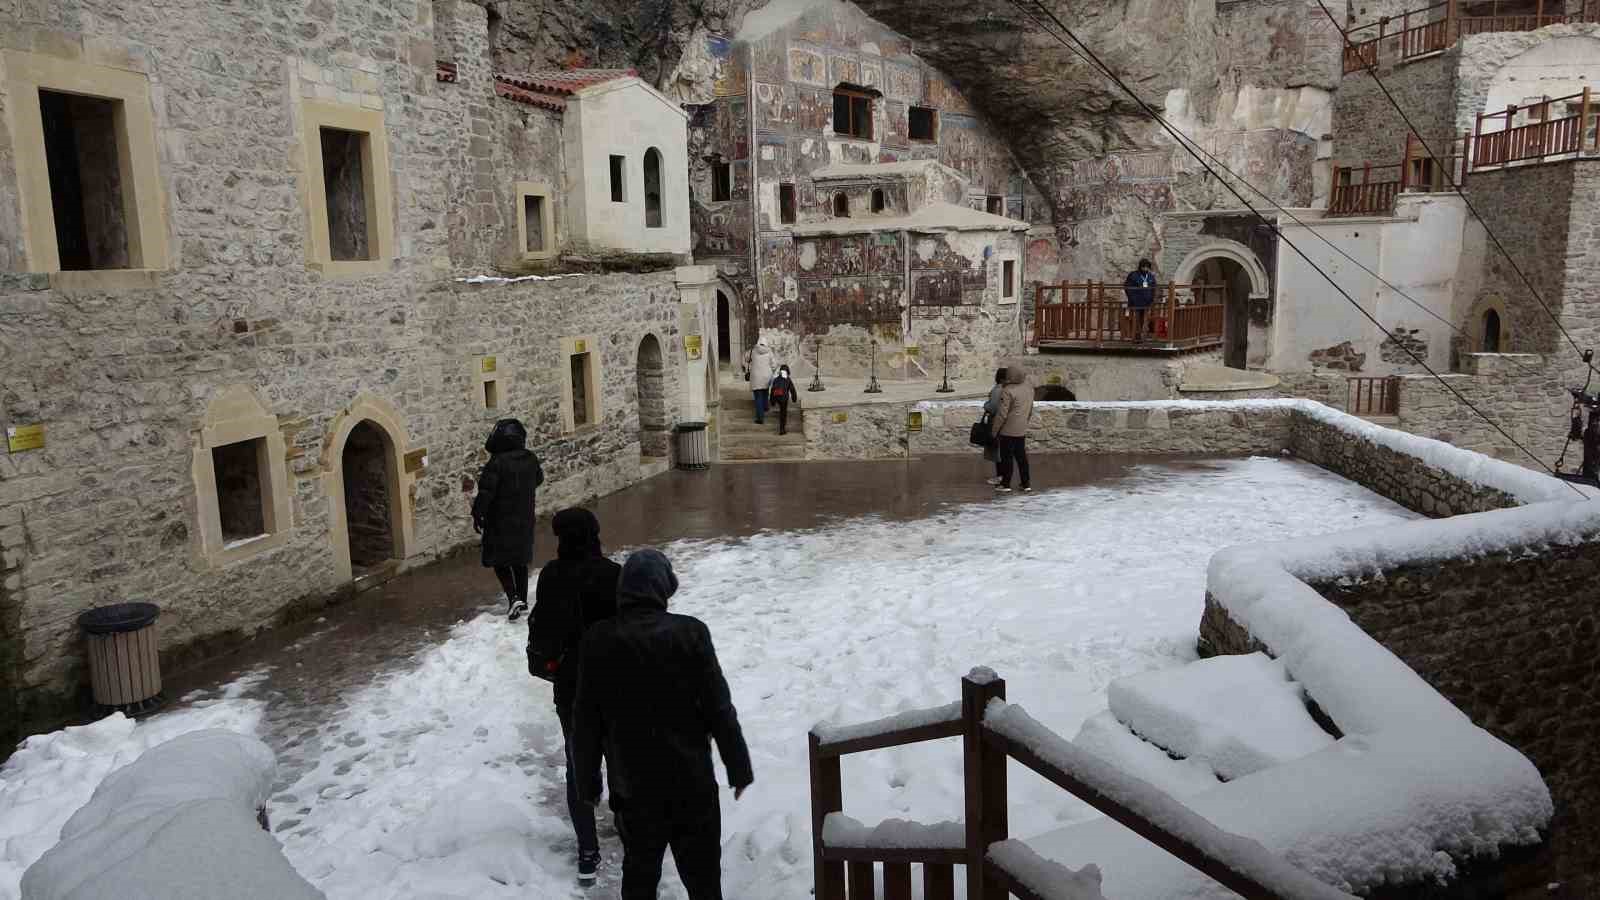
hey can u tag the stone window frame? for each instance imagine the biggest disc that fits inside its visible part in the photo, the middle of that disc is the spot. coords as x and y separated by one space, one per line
1000 261
316 115
233 416
485 371
593 385
143 197
524 190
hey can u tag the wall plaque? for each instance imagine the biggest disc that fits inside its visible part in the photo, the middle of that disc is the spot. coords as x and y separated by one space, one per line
488 364
580 347
691 346
914 420
416 460
24 437
839 418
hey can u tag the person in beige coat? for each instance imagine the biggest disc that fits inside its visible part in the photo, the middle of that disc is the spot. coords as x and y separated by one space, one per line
1010 428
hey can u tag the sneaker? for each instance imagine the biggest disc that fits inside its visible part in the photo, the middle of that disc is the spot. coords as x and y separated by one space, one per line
517 609
588 865
1001 489
994 481
1027 490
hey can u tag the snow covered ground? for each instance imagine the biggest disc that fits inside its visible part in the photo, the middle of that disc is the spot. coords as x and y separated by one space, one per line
444 779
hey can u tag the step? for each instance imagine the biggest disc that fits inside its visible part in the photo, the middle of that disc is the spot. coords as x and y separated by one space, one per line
749 443
776 452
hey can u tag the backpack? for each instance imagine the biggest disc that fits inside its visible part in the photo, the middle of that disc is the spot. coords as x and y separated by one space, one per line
982 434
777 391
548 646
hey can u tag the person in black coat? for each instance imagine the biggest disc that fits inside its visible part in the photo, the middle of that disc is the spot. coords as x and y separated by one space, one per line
575 590
651 693
503 510
781 393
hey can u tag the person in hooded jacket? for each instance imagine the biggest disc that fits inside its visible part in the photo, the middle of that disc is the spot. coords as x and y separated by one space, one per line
759 363
1010 429
575 590
651 693
991 407
781 393
503 510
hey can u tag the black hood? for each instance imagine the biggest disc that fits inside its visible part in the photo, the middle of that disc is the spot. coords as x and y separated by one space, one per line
647 580
577 533
508 434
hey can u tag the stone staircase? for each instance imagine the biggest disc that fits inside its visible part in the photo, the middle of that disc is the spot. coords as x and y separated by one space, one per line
742 440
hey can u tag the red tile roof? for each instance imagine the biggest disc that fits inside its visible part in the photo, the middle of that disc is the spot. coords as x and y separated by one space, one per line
550 90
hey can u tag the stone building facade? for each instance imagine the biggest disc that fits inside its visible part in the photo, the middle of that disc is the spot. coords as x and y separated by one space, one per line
840 183
249 351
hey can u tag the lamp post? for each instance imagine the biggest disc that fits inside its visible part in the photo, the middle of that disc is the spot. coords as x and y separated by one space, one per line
945 388
872 383
816 374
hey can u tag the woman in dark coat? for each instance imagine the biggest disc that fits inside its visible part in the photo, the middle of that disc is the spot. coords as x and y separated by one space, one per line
503 510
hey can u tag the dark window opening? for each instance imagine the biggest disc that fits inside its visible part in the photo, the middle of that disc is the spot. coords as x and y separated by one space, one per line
581 412
997 205
618 195
345 159
922 124
533 222
1008 278
852 114
366 465
241 502
1491 332
85 172
652 188
491 395
841 206
721 182
877 200
786 205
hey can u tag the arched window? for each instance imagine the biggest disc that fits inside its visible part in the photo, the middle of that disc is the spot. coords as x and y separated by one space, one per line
877 200
841 206
1491 332
652 188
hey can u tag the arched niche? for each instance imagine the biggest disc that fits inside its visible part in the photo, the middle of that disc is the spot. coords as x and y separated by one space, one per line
399 485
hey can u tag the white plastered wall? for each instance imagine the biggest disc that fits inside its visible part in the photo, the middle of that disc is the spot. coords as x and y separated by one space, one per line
625 118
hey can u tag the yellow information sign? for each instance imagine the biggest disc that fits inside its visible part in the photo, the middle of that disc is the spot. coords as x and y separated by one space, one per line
839 418
914 421
1053 379
416 460
913 351
24 437
691 346
580 347
488 364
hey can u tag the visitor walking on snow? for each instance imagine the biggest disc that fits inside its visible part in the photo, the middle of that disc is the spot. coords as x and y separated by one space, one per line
575 590
758 366
503 510
1011 429
991 407
781 393
650 692
1140 286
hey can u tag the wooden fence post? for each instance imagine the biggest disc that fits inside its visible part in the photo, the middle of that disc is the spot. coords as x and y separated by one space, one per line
1405 165
985 768
827 796
1583 120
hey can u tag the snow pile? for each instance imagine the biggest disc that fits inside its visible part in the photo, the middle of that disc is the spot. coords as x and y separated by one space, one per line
1239 853
501 279
1106 737
52 775
1239 714
1047 878
911 718
179 823
839 830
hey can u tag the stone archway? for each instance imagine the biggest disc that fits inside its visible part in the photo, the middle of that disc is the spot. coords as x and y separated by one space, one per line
370 493
650 379
1234 265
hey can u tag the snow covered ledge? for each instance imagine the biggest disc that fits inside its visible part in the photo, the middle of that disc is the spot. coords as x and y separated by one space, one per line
178 823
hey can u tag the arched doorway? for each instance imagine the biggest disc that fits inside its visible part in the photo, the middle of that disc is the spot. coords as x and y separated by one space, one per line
1236 311
1053 393
1236 267
369 497
1491 331
650 379
724 330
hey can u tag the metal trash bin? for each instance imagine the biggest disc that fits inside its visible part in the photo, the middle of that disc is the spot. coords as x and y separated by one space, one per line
694 445
124 665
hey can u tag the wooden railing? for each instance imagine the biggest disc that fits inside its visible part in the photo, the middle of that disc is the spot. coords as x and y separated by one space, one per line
1373 396
1429 29
1417 172
1546 136
993 732
1182 316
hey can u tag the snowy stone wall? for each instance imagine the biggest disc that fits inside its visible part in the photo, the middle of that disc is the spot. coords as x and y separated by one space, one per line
1218 429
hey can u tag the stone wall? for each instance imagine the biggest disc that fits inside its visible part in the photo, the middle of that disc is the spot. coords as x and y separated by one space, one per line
1516 206
1366 127
1217 429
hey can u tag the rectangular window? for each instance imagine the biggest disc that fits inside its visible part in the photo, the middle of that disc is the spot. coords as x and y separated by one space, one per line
582 411
240 498
618 184
852 114
345 182
533 222
786 204
85 175
1008 278
997 205
721 182
923 124
491 395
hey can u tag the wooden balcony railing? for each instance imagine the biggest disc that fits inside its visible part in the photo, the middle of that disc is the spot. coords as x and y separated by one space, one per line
995 867
1373 396
1417 172
1183 316
1429 29
1545 135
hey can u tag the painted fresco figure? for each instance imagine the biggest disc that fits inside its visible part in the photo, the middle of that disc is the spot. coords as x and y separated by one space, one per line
652 699
759 364
503 510
1140 287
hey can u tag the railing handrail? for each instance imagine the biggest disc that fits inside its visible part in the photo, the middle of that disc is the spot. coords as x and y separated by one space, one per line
1511 110
1430 34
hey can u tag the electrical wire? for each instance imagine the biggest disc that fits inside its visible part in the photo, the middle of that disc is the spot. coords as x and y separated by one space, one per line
1088 55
